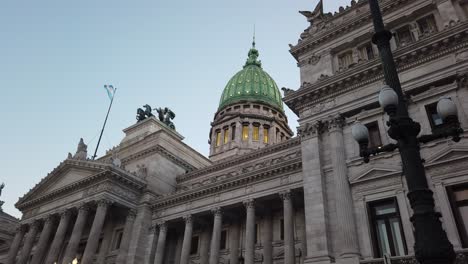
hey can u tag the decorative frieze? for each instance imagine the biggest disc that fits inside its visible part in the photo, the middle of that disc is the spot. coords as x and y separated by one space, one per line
428 49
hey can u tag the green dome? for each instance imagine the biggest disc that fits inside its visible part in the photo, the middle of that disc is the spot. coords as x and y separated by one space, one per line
252 84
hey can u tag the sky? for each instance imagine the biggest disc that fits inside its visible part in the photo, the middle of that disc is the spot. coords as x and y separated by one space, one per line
56 55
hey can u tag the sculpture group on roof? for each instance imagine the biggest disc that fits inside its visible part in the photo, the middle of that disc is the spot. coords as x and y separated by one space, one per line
165 115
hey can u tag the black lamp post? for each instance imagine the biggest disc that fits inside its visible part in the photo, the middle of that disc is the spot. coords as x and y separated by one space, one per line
432 245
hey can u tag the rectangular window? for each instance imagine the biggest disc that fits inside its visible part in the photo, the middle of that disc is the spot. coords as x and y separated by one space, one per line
194 245
404 36
245 132
233 133
266 135
282 229
345 60
256 234
459 200
374 135
387 230
435 120
223 244
117 239
256 133
366 52
226 135
427 25
218 138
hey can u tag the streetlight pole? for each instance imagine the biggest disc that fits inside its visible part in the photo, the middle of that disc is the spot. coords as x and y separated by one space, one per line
432 245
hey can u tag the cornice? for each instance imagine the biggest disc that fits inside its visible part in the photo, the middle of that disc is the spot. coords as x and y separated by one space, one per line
223 164
160 150
289 166
321 37
108 173
420 52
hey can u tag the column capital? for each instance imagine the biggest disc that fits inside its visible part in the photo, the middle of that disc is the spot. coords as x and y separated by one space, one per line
310 130
285 195
336 123
64 213
83 206
153 227
217 211
188 218
35 224
162 226
104 203
131 214
21 228
249 203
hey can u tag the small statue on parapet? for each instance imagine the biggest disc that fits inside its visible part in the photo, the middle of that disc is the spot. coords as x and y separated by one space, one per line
165 115
143 114
81 151
1 202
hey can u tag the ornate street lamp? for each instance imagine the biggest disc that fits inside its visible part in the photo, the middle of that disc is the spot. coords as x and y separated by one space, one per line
432 245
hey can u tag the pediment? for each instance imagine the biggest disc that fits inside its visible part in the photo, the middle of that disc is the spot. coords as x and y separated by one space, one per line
447 154
67 173
373 173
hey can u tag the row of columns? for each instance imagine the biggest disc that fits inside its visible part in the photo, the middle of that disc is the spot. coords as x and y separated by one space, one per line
215 243
71 250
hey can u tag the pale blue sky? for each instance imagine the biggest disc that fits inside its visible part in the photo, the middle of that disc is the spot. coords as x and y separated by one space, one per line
55 56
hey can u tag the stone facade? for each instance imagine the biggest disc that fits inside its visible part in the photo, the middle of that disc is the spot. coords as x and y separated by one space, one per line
307 199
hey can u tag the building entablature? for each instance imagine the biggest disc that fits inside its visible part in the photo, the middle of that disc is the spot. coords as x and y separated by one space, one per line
238 161
351 19
252 173
449 41
91 179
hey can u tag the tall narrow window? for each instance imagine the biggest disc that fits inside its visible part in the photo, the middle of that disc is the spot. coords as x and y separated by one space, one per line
434 119
427 25
194 245
118 234
233 133
387 229
218 138
403 36
256 234
374 135
223 244
266 135
459 200
256 133
245 132
345 60
366 52
226 135
282 229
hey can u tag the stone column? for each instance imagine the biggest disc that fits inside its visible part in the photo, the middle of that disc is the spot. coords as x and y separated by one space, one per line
267 238
234 240
289 249
127 234
72 247
159 256
250 232
96 229
205 239
216 236
348 243
28 243
57 243
186 244
315 206
151 244
450 225
41 248
20 231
